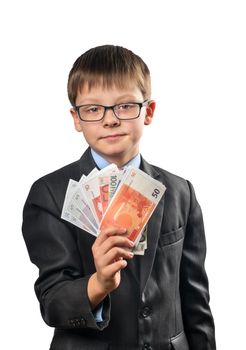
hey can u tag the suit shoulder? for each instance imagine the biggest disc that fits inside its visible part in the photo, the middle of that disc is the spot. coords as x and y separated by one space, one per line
178 197
63 174
55 182
171 179
73 171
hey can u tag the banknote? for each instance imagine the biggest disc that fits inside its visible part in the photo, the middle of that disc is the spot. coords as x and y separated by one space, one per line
91 191
141 243
133 203
71 213
66 215
103 188
104 178
79 207
114 181
76 208
91 174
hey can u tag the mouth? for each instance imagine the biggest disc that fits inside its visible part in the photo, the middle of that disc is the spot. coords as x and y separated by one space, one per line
112 136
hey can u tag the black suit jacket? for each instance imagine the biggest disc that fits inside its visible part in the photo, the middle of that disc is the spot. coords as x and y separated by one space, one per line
164 304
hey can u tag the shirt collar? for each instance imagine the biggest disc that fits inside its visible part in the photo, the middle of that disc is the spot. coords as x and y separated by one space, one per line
102 163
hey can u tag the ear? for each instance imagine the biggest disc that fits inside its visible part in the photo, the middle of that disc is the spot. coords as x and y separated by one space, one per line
149 112
76 120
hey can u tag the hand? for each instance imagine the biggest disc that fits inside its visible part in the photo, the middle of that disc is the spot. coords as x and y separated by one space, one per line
110 251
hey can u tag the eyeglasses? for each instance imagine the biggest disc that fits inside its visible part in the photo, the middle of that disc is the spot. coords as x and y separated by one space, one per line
122 111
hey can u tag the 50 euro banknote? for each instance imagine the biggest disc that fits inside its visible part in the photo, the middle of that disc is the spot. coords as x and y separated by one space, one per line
133 203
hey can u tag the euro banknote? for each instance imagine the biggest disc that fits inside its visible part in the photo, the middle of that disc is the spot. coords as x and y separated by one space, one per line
133 203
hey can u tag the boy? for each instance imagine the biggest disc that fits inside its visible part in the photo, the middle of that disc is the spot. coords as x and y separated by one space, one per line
92 290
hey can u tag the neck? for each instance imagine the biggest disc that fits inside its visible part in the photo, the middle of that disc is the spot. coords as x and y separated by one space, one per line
102 159
120 162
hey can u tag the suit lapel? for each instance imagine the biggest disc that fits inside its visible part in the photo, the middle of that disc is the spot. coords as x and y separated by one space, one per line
87 163
153 232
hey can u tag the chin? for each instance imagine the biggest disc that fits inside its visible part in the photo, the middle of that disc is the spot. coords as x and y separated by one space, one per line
118 150
112 149
113 153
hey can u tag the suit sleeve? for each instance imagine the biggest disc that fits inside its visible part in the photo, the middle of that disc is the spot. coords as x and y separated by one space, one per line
198 320
62 285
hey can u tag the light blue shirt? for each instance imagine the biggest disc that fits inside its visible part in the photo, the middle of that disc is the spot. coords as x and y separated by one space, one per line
102 163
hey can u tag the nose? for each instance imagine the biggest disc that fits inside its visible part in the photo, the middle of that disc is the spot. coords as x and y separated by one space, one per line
110 120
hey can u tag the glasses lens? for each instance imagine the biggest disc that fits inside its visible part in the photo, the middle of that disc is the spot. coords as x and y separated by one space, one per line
127 110
91 112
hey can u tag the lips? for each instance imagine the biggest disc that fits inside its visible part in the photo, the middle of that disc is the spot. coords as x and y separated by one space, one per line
112 136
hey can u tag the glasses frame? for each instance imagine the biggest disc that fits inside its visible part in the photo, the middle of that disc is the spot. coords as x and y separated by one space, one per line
140 104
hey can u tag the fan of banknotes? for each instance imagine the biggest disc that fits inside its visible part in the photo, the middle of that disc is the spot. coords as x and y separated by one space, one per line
113 198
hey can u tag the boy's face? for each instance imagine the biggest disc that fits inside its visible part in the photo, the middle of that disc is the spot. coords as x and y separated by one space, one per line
116 140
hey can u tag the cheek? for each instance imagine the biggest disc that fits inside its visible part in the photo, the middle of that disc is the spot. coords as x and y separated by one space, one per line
136 134
139 128
89 131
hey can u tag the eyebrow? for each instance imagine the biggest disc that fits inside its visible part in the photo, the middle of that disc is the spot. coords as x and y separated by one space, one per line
92 101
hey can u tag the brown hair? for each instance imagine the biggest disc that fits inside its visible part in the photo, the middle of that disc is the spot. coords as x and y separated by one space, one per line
108 65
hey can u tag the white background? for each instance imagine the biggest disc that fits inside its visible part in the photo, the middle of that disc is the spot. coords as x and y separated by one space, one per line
196 53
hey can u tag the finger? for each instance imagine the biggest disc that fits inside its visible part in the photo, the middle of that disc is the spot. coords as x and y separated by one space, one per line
110 231
115 267
111 242
117 241
105 234
114 254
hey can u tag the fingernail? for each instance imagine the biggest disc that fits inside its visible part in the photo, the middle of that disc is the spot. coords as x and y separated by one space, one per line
121 230
131 243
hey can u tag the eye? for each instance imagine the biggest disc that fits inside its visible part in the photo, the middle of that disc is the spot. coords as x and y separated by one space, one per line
90 109
93 109
126 106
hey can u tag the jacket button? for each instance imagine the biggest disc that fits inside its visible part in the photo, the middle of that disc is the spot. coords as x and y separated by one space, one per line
83 322
147 347
77 323
145 312
71 323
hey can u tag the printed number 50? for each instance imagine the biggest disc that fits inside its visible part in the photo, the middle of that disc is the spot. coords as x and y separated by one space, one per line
155 193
